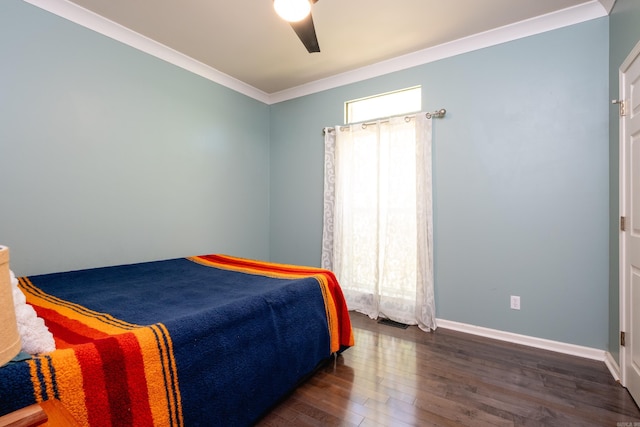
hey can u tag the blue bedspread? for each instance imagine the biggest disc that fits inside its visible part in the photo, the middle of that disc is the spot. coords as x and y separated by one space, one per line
238 341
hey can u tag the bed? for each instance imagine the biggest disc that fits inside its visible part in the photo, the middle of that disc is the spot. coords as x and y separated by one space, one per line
204 340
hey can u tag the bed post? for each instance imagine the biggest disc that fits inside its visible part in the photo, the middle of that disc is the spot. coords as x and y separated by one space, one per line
10 343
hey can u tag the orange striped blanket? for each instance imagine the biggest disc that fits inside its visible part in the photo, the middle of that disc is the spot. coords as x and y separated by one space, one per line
206 340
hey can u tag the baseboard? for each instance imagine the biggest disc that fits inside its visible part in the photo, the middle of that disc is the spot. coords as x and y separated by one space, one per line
613 366
557 346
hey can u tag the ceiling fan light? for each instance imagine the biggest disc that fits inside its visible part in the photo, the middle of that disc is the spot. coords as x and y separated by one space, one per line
292 10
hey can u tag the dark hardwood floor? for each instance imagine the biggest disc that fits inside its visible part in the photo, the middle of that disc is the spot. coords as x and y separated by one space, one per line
406 377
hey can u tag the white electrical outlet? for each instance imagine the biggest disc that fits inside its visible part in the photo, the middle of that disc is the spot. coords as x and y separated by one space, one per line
515 302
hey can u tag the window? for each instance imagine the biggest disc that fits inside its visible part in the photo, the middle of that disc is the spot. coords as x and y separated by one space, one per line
377 230
384 105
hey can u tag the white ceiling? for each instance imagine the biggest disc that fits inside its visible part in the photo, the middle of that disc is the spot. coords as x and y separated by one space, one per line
245 44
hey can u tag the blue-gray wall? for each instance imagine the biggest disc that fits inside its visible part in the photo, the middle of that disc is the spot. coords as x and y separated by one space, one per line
521 194
109 155
624 35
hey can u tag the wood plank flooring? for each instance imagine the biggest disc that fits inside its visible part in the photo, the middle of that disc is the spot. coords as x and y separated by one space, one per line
406 377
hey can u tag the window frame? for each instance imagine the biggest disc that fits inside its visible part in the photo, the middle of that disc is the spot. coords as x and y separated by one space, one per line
348 105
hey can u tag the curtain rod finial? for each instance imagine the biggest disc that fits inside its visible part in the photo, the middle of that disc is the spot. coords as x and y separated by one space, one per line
438 113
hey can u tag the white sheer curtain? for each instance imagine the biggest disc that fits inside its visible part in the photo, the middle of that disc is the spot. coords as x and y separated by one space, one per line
378 226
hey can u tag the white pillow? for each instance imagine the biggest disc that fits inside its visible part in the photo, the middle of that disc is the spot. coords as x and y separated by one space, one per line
34 334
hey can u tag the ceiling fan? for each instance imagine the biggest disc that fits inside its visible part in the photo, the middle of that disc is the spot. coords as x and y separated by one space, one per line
298 14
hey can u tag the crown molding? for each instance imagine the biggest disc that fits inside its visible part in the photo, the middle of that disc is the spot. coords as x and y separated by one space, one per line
111 29
551 21
608 5
88 19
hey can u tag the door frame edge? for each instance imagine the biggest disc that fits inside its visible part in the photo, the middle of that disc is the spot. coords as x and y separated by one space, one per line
622 206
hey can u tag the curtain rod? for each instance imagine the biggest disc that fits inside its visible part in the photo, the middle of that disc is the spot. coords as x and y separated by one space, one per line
438 114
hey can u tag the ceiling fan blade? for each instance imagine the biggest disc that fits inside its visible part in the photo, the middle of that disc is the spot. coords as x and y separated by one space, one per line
307 33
